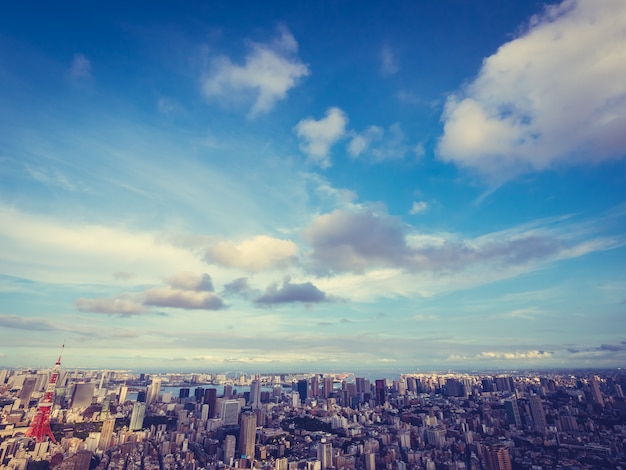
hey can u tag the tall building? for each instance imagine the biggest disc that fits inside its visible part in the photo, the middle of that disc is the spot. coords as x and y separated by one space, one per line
210 398
136 418
230 444
315 386
381 392
255 394
106 434
498 458
536 411
82 395
154 389
229 411
596 393
303 386
123 392
27 390
327 386
325 454
247 435
512 412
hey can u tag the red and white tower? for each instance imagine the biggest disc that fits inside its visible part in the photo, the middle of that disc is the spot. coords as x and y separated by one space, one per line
40 425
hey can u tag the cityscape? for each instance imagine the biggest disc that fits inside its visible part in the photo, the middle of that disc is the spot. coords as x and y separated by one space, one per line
121 420
313 235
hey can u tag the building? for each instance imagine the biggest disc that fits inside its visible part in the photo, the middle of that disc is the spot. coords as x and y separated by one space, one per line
154 389
82 395
512 412
247 435
229 411
381 392
229 449
255 394
136 418
106 434
325 454
497 458
303 387
537 412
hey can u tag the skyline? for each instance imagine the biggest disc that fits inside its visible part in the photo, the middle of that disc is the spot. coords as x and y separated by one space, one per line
313 187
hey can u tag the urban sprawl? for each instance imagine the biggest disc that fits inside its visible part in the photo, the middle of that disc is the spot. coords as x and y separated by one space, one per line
119 420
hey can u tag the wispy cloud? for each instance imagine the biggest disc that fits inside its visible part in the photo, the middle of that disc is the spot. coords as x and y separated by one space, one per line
19 323
388 61
418 207
255 254
269 71
380 145
123 305
318 136
554 95
80 68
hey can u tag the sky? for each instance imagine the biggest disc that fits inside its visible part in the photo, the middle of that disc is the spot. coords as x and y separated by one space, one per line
311 186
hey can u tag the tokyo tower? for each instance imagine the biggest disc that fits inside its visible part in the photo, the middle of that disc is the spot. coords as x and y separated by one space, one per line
40 425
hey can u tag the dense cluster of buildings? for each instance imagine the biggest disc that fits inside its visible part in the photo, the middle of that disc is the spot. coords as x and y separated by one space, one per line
108 420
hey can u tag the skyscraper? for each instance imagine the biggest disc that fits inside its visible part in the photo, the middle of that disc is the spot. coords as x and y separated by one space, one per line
255 394
381 392
512 412
536 411
136 418
153 391
247 435
229 411
210 398
83 395
325 454
106 434
303 389
229 449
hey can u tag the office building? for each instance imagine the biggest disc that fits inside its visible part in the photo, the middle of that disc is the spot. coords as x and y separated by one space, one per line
247 435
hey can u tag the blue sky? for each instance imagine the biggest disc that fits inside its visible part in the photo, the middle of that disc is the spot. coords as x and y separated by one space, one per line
313 185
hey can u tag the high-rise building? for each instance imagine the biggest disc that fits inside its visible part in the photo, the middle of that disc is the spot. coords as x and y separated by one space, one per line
315 386
210 398
381 392
498 458
325 454
154 389
230 444
512 412
596 393
106 434
136 418
123 393
255 394
27 390
82 395
303 389
229 411
537 413
247 435
327 386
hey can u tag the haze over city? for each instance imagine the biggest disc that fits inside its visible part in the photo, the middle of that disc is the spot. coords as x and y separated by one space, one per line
313 186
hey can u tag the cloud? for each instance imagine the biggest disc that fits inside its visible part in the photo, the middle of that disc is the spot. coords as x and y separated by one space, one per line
185 299
380 145
516 355
418 206
291 293
268 73
255 254
80 68
368 238
317 137
190 281
240 287
123 305
19 323
388 62
51 178
555 95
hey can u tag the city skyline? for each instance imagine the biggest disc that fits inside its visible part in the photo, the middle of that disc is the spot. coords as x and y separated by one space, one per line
313 187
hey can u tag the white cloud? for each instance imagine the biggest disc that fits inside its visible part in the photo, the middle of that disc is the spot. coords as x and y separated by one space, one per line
255 254
181 298
44 249
418 206
317 137
388 62
554 95
123 305
80 68
380 145
268 73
